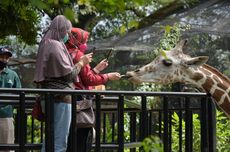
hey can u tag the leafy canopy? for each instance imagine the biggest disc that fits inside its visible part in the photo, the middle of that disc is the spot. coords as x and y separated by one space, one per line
23 18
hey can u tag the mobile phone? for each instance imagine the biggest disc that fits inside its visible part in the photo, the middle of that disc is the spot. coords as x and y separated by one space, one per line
109 54
93 50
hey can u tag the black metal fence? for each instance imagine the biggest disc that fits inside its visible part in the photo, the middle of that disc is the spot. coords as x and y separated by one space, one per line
118 126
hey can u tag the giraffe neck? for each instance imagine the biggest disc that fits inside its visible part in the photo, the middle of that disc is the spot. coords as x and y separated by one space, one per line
214 83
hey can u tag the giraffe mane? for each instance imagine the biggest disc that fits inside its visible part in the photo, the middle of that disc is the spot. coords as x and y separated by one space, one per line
214 70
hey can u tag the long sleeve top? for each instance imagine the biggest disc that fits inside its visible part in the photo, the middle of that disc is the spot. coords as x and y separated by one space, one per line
87 77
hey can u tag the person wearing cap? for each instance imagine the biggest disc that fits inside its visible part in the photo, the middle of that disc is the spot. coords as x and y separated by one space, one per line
8 79
88 78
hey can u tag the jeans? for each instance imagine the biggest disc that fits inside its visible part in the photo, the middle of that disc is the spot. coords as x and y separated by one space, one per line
62 119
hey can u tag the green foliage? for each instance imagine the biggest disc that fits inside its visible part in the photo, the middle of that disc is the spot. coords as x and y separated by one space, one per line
175 135
21 18
69 13
109 130
39 4
37 130
223 134
18 18
118 17
152 144
152 102
172 35
106 17
227 72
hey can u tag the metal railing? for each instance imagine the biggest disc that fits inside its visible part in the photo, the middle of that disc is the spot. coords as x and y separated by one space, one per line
142 120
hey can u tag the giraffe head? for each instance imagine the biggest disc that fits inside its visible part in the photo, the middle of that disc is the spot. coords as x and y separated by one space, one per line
175 66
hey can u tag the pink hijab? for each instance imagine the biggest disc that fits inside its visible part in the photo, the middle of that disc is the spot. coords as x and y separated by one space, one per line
53 59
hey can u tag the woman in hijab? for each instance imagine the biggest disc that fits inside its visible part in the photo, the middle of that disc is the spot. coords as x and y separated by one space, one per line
88 77
55 70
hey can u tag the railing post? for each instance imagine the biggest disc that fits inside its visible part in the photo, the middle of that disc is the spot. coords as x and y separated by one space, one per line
204 125
166 138
73 132
150 123
170 131
98 123
133 129
41 136
180 115
49 123
212 125
113 127
22 131
32 130
188 126
104 128
121 123
144 118
160 124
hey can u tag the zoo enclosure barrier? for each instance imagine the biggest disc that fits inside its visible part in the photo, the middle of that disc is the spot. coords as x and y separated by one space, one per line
112 111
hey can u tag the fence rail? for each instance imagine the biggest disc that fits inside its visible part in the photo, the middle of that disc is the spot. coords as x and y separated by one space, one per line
126 126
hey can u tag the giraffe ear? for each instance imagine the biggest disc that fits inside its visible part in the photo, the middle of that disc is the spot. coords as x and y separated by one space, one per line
196 61
180 45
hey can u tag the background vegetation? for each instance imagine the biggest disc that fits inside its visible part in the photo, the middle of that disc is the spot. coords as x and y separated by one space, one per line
154 144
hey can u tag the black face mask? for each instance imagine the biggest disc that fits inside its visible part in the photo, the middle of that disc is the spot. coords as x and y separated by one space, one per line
3 64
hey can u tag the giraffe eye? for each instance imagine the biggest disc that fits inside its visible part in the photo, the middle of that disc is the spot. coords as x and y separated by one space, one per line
167 62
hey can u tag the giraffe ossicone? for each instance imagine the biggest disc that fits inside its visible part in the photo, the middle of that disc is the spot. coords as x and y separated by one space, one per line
179 67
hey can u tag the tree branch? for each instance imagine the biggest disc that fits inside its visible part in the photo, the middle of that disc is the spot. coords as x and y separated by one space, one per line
159 15
136 11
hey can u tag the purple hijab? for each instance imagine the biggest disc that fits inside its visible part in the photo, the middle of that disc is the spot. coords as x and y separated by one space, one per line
53 59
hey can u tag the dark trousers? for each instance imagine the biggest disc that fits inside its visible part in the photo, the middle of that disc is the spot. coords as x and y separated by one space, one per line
84 140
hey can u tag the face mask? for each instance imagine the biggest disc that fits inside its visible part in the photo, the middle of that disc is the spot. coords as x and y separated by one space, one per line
3 64
66 38
83 47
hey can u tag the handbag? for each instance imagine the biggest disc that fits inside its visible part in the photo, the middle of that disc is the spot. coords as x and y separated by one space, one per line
37 110
85 117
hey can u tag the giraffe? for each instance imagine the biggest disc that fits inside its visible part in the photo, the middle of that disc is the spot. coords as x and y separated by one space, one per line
176 66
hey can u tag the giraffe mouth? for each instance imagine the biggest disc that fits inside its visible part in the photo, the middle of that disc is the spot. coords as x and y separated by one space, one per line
126 76
131 76
133 79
